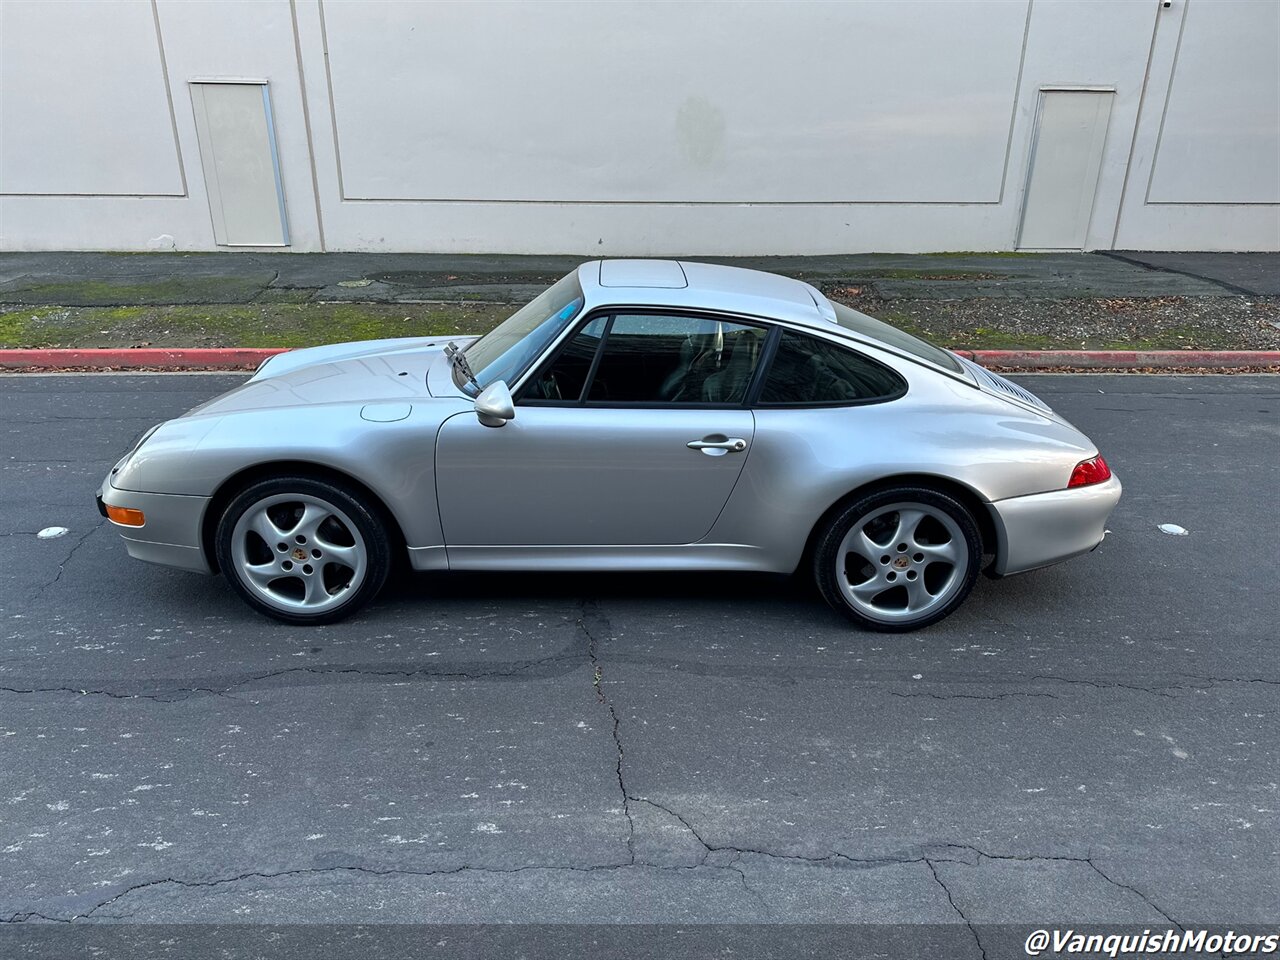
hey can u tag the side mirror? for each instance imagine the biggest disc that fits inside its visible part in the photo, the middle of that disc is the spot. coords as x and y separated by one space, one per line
494 407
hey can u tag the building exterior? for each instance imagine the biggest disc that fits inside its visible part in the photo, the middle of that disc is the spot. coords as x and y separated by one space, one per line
640 127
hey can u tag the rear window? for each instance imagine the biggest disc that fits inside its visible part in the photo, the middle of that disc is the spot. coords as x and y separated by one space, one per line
860 323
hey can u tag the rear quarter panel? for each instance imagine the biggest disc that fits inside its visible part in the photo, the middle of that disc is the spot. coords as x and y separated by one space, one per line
803 460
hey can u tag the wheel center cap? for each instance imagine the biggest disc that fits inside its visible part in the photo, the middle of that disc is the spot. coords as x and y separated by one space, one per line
902 562
299 554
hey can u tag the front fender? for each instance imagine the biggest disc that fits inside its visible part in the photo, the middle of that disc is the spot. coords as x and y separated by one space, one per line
395 460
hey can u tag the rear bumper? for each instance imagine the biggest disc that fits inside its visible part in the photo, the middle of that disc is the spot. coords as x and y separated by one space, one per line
1046 528
171 534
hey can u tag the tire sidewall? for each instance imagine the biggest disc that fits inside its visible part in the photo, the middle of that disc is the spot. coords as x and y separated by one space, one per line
366 518
824 565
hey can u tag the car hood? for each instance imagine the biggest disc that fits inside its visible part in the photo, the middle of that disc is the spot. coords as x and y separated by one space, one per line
360 372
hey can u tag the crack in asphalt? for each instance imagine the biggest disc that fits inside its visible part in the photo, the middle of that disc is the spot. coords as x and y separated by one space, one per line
1136 892
171 696
30 915
62 565
1089 861
933 870
179 694
930 862
160 698
590 609
594 625
828 858
1110 685
1164 691
27 916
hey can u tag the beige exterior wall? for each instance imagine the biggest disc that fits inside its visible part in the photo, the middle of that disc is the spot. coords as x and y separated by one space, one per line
637 127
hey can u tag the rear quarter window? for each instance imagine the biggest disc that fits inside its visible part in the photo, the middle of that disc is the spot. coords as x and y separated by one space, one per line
867 326
809 371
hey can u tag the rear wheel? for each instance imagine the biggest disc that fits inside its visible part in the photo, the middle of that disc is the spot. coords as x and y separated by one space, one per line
898 560
303 550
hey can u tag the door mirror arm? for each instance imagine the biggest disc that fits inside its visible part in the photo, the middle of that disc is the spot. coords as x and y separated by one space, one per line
494 406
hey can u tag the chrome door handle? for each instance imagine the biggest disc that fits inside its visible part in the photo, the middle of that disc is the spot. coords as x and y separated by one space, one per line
732 444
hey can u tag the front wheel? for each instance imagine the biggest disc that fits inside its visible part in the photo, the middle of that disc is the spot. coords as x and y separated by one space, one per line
303 550
898 560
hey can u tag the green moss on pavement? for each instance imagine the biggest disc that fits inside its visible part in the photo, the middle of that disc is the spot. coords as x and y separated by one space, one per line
240 325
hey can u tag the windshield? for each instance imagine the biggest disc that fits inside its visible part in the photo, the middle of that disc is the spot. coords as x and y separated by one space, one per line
851 319
505 351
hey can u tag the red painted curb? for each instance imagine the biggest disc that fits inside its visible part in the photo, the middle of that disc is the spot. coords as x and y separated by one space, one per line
186 358
242 358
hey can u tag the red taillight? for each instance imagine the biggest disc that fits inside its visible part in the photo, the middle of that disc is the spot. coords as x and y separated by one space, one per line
1088 472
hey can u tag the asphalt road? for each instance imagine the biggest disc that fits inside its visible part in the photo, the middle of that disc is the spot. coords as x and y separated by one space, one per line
1095 742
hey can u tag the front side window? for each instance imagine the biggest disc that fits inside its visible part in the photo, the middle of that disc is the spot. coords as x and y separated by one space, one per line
806 370
505 351
649 358
566 376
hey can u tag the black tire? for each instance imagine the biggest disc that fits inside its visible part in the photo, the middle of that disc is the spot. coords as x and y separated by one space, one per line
367 518
828 567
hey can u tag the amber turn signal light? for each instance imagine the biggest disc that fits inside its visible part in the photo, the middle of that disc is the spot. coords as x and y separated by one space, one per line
125 516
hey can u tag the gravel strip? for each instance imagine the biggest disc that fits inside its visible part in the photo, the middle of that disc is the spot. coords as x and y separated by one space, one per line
1169 323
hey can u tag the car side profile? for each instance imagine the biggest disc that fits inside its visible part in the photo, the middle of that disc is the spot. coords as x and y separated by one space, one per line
637 415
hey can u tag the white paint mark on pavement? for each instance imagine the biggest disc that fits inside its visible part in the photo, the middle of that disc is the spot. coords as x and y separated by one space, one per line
52 533
1173 530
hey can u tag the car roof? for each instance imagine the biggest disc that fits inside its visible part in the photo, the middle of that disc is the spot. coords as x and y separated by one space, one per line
707 286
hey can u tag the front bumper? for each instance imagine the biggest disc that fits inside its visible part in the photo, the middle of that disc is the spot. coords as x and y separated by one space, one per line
1044 528
171 534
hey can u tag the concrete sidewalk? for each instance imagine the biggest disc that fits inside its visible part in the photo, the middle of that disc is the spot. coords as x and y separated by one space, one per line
106 279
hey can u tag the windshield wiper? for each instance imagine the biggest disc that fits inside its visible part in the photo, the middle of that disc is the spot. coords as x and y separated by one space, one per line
459 361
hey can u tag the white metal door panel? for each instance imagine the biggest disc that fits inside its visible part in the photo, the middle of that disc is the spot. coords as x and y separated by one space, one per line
1063 179
241 167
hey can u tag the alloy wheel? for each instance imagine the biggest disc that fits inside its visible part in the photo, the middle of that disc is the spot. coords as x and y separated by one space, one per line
299 553
901 562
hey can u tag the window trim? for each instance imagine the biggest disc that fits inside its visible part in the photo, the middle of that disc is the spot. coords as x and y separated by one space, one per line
522 399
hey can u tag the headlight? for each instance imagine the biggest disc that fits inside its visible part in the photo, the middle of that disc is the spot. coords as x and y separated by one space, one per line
145 437
134 449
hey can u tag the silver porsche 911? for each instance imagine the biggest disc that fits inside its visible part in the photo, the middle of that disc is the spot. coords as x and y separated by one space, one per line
638 415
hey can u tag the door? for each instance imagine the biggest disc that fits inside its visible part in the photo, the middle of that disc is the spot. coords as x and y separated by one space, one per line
634 434
579 476
240 162
1070 134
